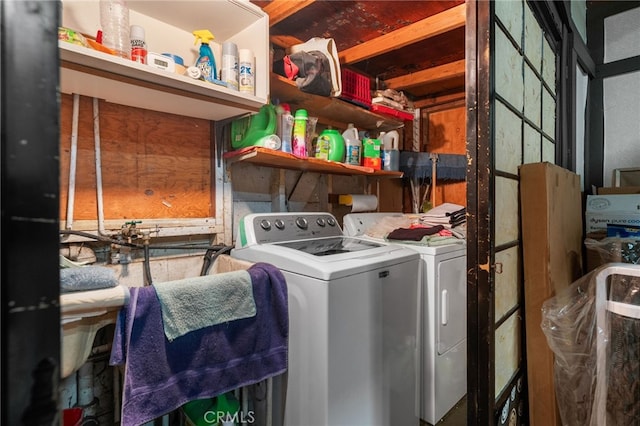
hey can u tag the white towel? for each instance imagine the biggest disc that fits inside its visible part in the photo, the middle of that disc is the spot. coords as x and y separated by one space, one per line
194 303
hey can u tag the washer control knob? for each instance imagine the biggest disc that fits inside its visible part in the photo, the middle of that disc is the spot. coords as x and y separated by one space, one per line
302 223
331 221
279 223
265 224
320 221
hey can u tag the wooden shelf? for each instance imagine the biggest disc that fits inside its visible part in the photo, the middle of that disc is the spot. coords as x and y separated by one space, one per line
331 111
270 158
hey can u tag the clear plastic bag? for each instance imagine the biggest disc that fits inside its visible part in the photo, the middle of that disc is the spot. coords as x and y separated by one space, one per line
569 322
616 249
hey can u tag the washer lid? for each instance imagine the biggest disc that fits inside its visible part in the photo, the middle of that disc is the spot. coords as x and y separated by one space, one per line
329 246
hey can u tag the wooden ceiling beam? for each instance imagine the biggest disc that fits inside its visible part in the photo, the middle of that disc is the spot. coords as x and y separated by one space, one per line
426 28
438 100
279 10
285 41
429 75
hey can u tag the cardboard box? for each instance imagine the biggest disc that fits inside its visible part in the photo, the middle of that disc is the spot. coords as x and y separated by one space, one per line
551 205
620 209
619 190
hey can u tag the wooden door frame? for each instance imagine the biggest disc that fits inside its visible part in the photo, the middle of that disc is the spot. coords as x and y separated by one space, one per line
480 353
481 398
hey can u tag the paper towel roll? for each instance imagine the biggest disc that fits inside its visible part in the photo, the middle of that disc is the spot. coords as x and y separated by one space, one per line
360 202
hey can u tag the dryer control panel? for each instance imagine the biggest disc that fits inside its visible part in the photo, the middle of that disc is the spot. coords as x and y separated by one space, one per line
263 228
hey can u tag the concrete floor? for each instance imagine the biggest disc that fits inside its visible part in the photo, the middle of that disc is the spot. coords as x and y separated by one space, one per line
456 417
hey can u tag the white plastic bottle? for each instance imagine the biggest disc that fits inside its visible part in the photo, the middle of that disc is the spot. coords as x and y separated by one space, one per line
391 152
353 146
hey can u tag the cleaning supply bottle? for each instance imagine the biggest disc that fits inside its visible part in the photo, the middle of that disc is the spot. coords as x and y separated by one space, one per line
353 146
206 62
299 143
196 411
138 44
330 146
226 408
246 71
390 151
229 72
285 129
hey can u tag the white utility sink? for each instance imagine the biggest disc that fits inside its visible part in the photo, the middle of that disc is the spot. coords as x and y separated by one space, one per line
82 314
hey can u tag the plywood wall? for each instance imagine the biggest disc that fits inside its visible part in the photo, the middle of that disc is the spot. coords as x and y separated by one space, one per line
445 133
154 165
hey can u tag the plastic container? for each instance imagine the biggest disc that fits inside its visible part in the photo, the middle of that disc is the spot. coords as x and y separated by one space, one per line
286 128
269 141
371 153
229 72
138 44
179 63
246 72
247 131
352 145
356 88
310 135
114 20
391 152
330 146
226 406
299 143
206 61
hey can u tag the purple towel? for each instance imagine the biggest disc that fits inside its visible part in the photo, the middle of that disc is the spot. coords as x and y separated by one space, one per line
160 376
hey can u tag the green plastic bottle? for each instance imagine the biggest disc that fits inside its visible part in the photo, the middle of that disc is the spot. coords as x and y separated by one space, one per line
206 61
330 145
226 407
196 410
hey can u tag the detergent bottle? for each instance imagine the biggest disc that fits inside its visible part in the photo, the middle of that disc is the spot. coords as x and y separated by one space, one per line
390 151
352 145
330 146
226 407
206 62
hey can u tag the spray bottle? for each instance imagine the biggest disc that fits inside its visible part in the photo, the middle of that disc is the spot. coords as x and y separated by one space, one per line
206 62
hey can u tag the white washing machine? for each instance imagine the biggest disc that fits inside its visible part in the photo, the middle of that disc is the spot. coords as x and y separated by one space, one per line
353 318
444 318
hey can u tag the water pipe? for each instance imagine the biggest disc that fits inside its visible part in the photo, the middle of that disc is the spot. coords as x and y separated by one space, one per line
73 156
96 141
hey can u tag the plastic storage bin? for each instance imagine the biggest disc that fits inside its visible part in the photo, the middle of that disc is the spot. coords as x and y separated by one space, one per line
356 88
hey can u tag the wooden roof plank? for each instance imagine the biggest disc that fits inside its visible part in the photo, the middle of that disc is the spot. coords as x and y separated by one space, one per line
279 10
429 75
426 28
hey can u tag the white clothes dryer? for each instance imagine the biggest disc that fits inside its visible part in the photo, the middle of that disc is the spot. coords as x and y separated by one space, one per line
443 326
353 318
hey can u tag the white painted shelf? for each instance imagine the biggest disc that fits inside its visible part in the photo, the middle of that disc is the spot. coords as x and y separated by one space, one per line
169 26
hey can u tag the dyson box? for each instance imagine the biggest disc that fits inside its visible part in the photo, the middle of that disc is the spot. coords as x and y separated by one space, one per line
620 209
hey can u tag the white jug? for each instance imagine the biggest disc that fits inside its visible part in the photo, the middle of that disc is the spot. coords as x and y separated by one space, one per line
391 152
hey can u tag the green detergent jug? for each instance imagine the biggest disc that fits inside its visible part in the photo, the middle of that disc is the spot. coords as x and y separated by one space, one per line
247 131
223 410
330 145
226 407
196 411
